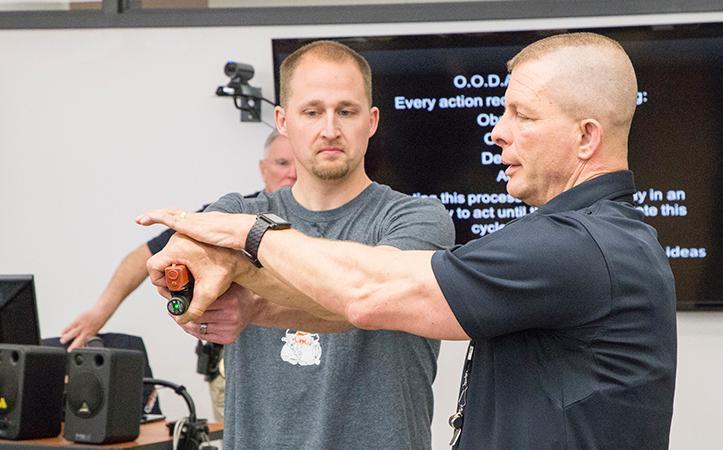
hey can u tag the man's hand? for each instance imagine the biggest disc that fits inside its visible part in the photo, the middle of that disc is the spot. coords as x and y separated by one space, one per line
230 230
214 228
227 317
213 268
84 327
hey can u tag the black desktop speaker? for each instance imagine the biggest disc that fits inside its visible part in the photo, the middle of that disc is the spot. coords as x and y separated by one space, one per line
31 391
104 394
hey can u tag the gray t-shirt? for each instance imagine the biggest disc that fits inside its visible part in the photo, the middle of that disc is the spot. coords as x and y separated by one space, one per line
286 389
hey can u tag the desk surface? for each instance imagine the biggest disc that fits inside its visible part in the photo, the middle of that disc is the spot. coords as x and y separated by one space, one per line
154 436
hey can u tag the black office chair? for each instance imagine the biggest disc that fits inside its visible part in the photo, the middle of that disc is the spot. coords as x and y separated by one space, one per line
151 403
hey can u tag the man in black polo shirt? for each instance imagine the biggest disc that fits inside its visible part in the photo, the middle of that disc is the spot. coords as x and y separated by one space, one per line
570 310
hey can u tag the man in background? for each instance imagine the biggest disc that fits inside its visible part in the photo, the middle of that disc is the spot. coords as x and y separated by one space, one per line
277 170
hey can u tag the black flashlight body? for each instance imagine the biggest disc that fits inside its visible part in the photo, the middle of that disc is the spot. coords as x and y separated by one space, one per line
180 283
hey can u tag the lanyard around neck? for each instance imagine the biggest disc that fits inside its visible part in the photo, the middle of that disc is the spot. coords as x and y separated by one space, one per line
456 420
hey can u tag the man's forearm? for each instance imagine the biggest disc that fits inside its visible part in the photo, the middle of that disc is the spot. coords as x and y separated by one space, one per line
276 316
371 287
287 297
127 277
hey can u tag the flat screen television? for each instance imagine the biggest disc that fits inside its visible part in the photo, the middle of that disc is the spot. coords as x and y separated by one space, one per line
440 95
18 310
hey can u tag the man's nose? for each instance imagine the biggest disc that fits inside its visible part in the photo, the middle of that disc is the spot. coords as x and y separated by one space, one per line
500 133
331 127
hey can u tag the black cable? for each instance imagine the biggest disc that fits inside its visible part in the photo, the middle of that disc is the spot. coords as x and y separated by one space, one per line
251 111
237 96
194 434
237 103
178 389
268 101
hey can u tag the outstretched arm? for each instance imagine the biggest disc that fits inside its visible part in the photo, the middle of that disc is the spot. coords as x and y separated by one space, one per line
371 287
216 268
127 277
238 307
283 301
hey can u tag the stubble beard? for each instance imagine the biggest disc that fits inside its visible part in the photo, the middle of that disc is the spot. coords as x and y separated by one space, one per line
330 170
333 170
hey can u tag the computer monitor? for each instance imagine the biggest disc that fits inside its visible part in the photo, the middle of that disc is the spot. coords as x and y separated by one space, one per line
18 310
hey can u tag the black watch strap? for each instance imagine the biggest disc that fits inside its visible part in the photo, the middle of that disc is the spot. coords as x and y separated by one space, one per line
264 222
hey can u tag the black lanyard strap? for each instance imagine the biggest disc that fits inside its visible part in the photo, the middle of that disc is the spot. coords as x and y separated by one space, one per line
456 420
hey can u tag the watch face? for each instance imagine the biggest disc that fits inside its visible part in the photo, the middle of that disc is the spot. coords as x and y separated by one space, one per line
274 219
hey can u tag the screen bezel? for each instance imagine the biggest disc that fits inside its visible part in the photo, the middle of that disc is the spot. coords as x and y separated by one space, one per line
25 282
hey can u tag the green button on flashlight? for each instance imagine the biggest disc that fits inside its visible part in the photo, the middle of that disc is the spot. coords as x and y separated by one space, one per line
177 305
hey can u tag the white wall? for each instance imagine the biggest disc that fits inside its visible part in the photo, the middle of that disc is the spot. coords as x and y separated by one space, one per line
97 126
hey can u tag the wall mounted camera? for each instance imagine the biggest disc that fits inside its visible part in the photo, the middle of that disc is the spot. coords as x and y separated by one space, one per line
246 98
242 72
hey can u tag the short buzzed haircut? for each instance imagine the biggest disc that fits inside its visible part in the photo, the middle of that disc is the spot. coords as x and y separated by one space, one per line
548 45
325 51
599 69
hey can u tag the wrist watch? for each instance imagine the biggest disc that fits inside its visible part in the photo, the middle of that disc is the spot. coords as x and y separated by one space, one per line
264 222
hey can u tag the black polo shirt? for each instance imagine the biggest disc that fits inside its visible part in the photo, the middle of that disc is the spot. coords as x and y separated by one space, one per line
572 312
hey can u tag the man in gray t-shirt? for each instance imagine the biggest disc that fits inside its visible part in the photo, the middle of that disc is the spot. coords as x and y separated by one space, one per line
288 388
298 380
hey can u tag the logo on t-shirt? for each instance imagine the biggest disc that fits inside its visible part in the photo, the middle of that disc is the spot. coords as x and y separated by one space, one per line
301 348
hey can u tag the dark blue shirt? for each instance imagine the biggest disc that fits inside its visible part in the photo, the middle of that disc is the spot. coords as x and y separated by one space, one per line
157 244
572 312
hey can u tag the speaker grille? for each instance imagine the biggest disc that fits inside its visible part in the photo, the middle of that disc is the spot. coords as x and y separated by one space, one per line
85 395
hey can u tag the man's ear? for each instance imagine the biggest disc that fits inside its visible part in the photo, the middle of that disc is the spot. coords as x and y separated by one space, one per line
591 134
280 118
373 120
